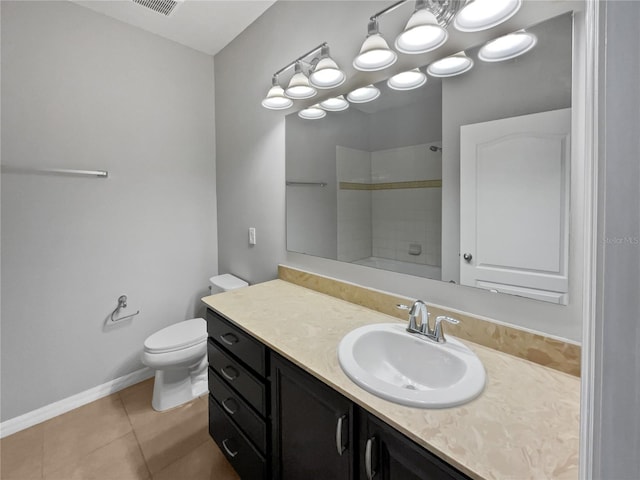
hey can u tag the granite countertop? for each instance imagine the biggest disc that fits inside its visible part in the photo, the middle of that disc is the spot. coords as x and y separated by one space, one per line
525 425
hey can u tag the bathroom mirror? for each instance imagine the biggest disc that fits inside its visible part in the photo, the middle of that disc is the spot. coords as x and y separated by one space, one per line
465 179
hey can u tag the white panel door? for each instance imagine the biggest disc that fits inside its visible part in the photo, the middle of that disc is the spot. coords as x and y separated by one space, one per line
514 205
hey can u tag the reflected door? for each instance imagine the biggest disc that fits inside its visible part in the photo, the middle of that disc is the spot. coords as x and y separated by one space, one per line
514 185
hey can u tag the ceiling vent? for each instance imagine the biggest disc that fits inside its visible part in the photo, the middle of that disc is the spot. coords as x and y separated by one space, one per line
165 7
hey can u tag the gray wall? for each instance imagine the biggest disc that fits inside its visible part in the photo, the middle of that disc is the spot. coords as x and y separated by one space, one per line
251 160
80 90
617 330
311 157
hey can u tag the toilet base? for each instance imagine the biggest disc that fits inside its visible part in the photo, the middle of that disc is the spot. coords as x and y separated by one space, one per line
175 387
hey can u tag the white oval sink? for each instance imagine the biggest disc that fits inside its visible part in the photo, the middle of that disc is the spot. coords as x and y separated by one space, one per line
391 363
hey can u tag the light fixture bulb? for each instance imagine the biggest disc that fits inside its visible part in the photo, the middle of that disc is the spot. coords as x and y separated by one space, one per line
275 99
299 87
480 15
312 113
407 80
507 47
422 34
363 94
335 104
326 73
375 53
450 66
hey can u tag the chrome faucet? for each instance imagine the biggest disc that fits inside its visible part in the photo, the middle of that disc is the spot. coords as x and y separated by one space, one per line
419 308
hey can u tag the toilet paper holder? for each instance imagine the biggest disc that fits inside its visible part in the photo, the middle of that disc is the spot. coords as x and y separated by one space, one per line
122 303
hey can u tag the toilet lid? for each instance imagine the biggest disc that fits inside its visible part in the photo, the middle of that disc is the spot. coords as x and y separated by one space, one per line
178 336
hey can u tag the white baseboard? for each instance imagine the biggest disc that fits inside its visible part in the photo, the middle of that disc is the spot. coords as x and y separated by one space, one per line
39 415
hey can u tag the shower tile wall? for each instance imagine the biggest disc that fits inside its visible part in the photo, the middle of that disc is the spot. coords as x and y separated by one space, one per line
385 223
401 217
354 206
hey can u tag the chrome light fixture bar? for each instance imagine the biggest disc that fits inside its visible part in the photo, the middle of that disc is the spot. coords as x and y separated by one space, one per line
321 72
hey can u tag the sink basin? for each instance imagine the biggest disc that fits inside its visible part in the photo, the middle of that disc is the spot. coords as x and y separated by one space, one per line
396 365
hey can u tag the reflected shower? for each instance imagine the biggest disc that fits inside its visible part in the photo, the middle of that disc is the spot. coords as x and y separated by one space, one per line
435 148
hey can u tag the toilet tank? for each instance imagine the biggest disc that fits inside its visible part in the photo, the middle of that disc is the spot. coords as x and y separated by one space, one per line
224 283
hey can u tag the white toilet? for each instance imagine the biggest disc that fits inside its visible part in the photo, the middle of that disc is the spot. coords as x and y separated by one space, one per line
178 353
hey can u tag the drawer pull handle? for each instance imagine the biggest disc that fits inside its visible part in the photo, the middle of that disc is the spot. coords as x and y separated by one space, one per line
339 445
367 459
229 339
227 449
229 376
230 411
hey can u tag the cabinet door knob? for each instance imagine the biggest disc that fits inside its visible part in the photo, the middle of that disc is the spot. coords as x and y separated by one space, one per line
229 376
368 463
467 257
229 339
340 446
227 449
230 411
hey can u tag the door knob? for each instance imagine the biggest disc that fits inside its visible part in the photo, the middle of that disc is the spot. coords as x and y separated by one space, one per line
467 257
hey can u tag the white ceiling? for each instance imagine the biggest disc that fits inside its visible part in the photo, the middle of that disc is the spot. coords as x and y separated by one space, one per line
205 25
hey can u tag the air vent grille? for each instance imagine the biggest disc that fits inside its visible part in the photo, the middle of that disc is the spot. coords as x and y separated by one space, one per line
165 7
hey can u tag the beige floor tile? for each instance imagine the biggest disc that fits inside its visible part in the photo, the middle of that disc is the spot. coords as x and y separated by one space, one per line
21 454
119 460
137 403
164 437
73 435
204 463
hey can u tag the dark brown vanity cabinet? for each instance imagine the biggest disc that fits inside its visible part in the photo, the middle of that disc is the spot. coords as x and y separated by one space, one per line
313 427
386 454
273 420
239 397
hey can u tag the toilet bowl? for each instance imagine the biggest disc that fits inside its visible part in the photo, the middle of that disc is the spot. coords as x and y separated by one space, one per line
178 353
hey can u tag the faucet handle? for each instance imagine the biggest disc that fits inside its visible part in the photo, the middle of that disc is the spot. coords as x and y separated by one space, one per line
438 331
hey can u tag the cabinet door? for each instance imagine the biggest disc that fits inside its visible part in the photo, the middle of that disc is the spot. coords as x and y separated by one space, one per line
312 427
385 454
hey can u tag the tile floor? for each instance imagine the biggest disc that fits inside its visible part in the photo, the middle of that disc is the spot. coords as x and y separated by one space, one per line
119 437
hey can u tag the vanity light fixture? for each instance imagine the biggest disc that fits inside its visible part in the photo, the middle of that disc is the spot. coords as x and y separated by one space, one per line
299 87
363 94
335 104
313 112
275 99
422 33
375 53
326 73
450 66
479 15
407 80
508 46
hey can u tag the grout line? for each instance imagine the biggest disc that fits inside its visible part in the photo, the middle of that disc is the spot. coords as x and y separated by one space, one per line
135 434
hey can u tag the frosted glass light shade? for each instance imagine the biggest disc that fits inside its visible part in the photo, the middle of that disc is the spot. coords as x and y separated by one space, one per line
374 55
450 66
507 47
484 14
312 113
407 80
422 34
364 94
275 99
299 87
336 104
327 74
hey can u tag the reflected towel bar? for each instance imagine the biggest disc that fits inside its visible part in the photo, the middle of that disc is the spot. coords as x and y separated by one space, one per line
56 171
306 184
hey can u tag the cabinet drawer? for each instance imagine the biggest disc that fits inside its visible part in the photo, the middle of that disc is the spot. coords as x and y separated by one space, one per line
233 339
248 386
243 456
249 422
